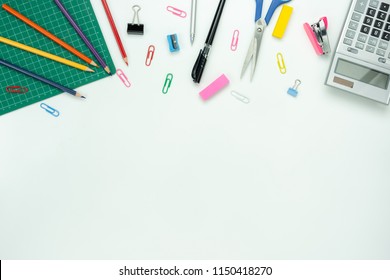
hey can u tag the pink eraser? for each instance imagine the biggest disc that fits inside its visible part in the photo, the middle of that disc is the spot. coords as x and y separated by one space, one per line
214 87
313 39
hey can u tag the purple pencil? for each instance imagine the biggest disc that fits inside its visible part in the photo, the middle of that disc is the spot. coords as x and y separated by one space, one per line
82 35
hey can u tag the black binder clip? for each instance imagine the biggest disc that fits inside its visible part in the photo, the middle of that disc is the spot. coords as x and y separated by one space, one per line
135 28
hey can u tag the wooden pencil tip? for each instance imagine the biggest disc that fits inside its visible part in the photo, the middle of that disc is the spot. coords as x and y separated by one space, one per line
79 95
126 61
93 63
107 69
89 70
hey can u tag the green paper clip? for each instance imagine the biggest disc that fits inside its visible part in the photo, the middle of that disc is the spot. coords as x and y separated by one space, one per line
168 83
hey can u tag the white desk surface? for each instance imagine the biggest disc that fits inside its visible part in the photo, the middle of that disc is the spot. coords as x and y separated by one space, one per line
135 174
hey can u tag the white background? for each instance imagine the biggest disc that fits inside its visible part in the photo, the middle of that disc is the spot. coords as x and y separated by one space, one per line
135 174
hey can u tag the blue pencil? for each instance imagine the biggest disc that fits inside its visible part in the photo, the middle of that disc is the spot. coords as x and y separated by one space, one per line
82 35
40 78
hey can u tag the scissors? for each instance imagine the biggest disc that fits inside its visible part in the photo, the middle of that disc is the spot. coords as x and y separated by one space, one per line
260 24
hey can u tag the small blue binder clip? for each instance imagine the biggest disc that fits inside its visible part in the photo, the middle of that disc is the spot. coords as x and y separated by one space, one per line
294 90
173 43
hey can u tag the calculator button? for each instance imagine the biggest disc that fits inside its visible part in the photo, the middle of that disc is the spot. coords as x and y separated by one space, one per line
374 3
387 27
386 36
381 15
368 21
382 60
352 50
358 17
370 49
380 52
372 42
376 32
384 7
348 42
362 38
361 5
371 12
359 46
383 45
379 24
353 25
350 34
365 29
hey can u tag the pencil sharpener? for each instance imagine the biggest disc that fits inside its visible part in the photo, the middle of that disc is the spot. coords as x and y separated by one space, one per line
173 43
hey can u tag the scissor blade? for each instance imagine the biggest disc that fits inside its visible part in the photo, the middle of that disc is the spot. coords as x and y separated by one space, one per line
249 57
257 44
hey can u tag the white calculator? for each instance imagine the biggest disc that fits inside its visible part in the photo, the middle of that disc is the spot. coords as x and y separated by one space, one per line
361 64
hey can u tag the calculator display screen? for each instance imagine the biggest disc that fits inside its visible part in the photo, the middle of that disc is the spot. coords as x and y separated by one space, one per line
362 74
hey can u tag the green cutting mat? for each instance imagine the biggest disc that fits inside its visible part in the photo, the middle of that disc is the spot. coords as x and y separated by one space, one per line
46 14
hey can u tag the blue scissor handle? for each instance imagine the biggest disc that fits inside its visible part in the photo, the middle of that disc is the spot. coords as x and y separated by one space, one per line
274 5
259 9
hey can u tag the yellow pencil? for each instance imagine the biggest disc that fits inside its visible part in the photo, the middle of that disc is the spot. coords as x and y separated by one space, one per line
45 54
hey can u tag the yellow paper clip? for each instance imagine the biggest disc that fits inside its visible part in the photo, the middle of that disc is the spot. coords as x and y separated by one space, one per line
168 83
281 64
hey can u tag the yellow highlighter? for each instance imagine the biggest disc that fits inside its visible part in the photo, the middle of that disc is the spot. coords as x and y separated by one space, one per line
45 54
283 20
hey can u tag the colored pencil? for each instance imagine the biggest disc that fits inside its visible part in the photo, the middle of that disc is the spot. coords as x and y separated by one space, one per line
82 35
48 34
45 54
39 78
115 31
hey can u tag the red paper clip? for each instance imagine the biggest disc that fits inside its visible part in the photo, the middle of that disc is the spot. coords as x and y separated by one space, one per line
176 12
150 55
234 44
16 89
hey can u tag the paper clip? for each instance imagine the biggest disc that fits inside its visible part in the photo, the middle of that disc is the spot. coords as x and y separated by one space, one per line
16 89
240 97
123 78
168 83
281 64
234 44
150 55
176 12
50 110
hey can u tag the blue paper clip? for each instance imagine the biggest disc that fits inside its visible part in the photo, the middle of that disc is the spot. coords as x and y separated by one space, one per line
173 43
168 83
50 110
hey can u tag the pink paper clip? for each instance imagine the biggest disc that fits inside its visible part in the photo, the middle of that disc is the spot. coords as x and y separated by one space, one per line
234 44
123 78
150 55
176 12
